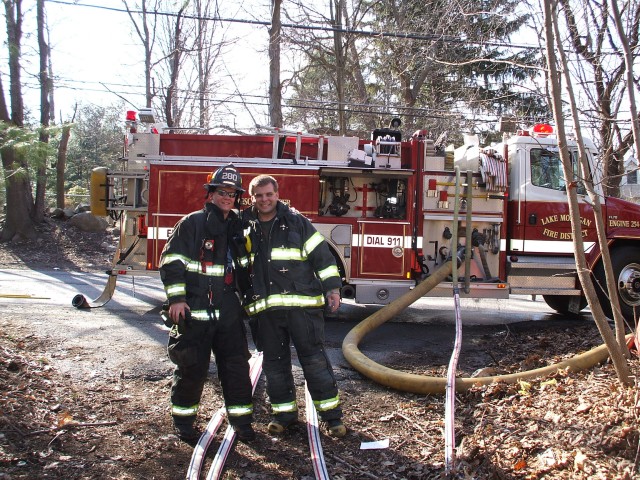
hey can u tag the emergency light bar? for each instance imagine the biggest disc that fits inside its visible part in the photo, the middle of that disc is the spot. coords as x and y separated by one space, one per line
542 129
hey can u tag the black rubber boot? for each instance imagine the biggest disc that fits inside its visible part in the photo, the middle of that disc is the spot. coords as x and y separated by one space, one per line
184 428
279 424
245 432
335 428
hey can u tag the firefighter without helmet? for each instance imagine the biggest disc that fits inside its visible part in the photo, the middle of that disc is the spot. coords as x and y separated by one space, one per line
226 176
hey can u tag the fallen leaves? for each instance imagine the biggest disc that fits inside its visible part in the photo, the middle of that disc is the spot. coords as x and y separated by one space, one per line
579 461
565 426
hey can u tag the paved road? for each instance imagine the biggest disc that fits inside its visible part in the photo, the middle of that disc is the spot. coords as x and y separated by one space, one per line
126 337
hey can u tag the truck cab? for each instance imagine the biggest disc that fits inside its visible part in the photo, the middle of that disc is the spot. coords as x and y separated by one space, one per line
539 248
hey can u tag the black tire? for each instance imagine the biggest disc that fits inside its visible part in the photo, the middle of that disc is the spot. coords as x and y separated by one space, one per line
626 270
560 303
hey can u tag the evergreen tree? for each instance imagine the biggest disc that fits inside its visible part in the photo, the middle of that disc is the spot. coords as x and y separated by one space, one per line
448 67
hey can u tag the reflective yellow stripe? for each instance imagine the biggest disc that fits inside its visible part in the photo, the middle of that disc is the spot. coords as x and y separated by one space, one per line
284 301
314 240
239 410
195 266
324 405
174 257
179 411
287 254
284 407
176 290
331 271
203 315
212 270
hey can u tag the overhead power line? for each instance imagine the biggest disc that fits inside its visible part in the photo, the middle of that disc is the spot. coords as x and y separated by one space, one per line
262 100
352 31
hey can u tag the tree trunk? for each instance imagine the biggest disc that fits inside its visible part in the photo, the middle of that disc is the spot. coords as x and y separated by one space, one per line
275 90
615 352
45 115
340 65
61 164
14 37
171 102
18 223
62 159
360 85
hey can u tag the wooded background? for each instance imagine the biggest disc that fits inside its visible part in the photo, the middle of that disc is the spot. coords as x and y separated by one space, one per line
338 67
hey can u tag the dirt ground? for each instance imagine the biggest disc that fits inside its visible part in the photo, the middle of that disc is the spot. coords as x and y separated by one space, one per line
565 426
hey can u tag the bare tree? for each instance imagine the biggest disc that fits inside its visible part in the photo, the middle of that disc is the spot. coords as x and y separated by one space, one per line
174 54
337 8
145 27
601 77
275 86
207 54
183 48
628 63
614 348
587 180
331 78
45 112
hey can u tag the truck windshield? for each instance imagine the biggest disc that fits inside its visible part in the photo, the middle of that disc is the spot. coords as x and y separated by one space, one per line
546 170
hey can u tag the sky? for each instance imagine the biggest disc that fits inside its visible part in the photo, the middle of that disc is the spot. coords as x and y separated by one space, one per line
91 46
94 51
98 60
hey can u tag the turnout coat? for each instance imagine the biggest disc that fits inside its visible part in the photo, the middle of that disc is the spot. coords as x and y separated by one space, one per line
202 253
291 265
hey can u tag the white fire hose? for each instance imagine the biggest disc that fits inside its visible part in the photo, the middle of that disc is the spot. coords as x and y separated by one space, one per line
450 390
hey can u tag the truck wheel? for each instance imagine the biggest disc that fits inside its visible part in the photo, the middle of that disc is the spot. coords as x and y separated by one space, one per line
626 270
561 304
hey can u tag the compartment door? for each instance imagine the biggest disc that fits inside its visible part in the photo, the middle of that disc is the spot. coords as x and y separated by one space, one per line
383 249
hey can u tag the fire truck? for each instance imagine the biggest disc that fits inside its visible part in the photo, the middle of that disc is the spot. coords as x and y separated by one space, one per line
386 208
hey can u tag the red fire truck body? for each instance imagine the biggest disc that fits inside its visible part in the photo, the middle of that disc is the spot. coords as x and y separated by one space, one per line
386 208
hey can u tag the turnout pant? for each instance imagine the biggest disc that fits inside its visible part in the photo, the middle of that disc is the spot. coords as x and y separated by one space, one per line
227 339
276 329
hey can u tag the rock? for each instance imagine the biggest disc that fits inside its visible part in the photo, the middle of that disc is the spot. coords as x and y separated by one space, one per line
57 213
88 222
68 212
82 208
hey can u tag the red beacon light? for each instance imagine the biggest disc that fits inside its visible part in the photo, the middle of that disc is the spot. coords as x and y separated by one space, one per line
542 129
131 116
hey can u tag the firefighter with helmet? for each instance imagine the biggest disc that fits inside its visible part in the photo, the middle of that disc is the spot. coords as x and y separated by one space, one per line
294 277
202 267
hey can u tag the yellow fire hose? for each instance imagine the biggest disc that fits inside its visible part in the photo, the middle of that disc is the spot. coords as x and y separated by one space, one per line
422 384
22 295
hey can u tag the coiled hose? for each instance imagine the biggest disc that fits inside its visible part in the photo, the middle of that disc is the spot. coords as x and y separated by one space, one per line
422 384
